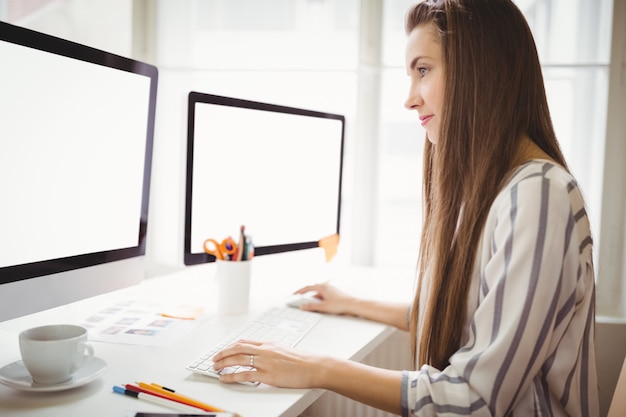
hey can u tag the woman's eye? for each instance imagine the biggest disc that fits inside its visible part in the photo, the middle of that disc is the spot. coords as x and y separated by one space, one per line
422 71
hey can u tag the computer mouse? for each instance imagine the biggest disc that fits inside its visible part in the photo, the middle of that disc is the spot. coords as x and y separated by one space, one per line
297 300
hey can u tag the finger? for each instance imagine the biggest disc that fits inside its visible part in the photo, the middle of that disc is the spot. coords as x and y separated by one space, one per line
313 306
304 290
238 348
246 376
310 288
251 342
242 359
245 346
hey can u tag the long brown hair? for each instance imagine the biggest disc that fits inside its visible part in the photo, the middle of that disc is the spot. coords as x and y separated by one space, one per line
494 94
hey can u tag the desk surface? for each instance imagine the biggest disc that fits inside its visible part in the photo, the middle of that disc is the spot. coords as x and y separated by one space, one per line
274 277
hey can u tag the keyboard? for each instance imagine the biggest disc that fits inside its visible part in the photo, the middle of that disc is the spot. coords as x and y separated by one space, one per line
281 325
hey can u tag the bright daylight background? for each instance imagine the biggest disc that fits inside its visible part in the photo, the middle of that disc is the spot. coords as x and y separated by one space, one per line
347 57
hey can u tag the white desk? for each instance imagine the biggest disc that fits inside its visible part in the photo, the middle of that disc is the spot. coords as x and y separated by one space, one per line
274 278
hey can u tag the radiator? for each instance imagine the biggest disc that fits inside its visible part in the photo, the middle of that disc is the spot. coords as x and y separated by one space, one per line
393 353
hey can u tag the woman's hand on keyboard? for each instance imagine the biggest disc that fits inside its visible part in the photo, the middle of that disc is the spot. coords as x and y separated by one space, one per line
332 300
274 364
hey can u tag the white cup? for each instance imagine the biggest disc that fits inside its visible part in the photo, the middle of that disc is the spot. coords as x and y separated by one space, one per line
53 353
233 287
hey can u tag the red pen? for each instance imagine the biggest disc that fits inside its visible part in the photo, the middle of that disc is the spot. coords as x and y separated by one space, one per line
156 394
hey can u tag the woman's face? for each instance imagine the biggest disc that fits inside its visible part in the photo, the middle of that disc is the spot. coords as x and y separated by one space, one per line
424 65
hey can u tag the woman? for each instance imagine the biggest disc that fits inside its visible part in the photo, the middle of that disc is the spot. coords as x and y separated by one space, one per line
503 317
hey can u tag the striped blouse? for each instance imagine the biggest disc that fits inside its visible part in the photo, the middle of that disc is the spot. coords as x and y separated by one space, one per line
527 347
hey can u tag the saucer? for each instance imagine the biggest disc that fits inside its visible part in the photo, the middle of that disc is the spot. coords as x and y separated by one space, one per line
15 375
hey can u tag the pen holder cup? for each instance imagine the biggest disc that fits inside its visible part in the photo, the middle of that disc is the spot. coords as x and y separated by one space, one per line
233 287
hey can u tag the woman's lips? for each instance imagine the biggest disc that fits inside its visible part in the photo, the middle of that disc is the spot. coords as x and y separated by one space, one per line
426 119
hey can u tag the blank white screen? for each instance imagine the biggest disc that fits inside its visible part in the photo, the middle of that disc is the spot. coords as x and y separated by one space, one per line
276 173
71 156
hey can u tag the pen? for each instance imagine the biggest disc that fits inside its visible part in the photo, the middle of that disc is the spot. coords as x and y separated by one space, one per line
134 388
155 400
162 387
242 243
249 253
170 394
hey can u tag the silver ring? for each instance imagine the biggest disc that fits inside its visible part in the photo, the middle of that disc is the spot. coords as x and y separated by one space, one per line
252 361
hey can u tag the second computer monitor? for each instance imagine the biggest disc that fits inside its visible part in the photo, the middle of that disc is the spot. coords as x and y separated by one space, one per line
275 169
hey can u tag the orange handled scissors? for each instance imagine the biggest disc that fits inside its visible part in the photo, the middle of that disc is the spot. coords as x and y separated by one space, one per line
221 250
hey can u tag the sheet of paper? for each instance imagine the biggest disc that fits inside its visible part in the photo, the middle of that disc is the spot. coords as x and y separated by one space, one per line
140 323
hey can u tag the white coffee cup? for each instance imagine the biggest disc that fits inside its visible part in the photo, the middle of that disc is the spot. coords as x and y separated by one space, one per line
233 287
53 353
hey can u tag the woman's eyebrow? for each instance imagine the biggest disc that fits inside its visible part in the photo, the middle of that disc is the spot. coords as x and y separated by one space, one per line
415 60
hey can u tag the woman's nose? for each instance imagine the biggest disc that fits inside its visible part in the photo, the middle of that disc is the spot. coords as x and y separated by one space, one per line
413 101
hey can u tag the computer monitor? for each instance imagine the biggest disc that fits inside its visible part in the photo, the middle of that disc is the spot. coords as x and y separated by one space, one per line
274 169
76 132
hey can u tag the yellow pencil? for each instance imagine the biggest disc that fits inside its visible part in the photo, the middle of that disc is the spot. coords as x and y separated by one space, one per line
181 398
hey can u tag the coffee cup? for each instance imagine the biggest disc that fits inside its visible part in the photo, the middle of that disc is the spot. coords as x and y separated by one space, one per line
53 353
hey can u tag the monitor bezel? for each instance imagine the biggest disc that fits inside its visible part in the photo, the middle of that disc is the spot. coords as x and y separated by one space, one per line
195 97
40 41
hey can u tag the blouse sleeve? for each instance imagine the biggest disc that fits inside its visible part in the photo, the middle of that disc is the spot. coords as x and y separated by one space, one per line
527 341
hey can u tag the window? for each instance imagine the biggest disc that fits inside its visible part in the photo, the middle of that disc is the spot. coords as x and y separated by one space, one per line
306 53
573 41
586 94
300 53
101 24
